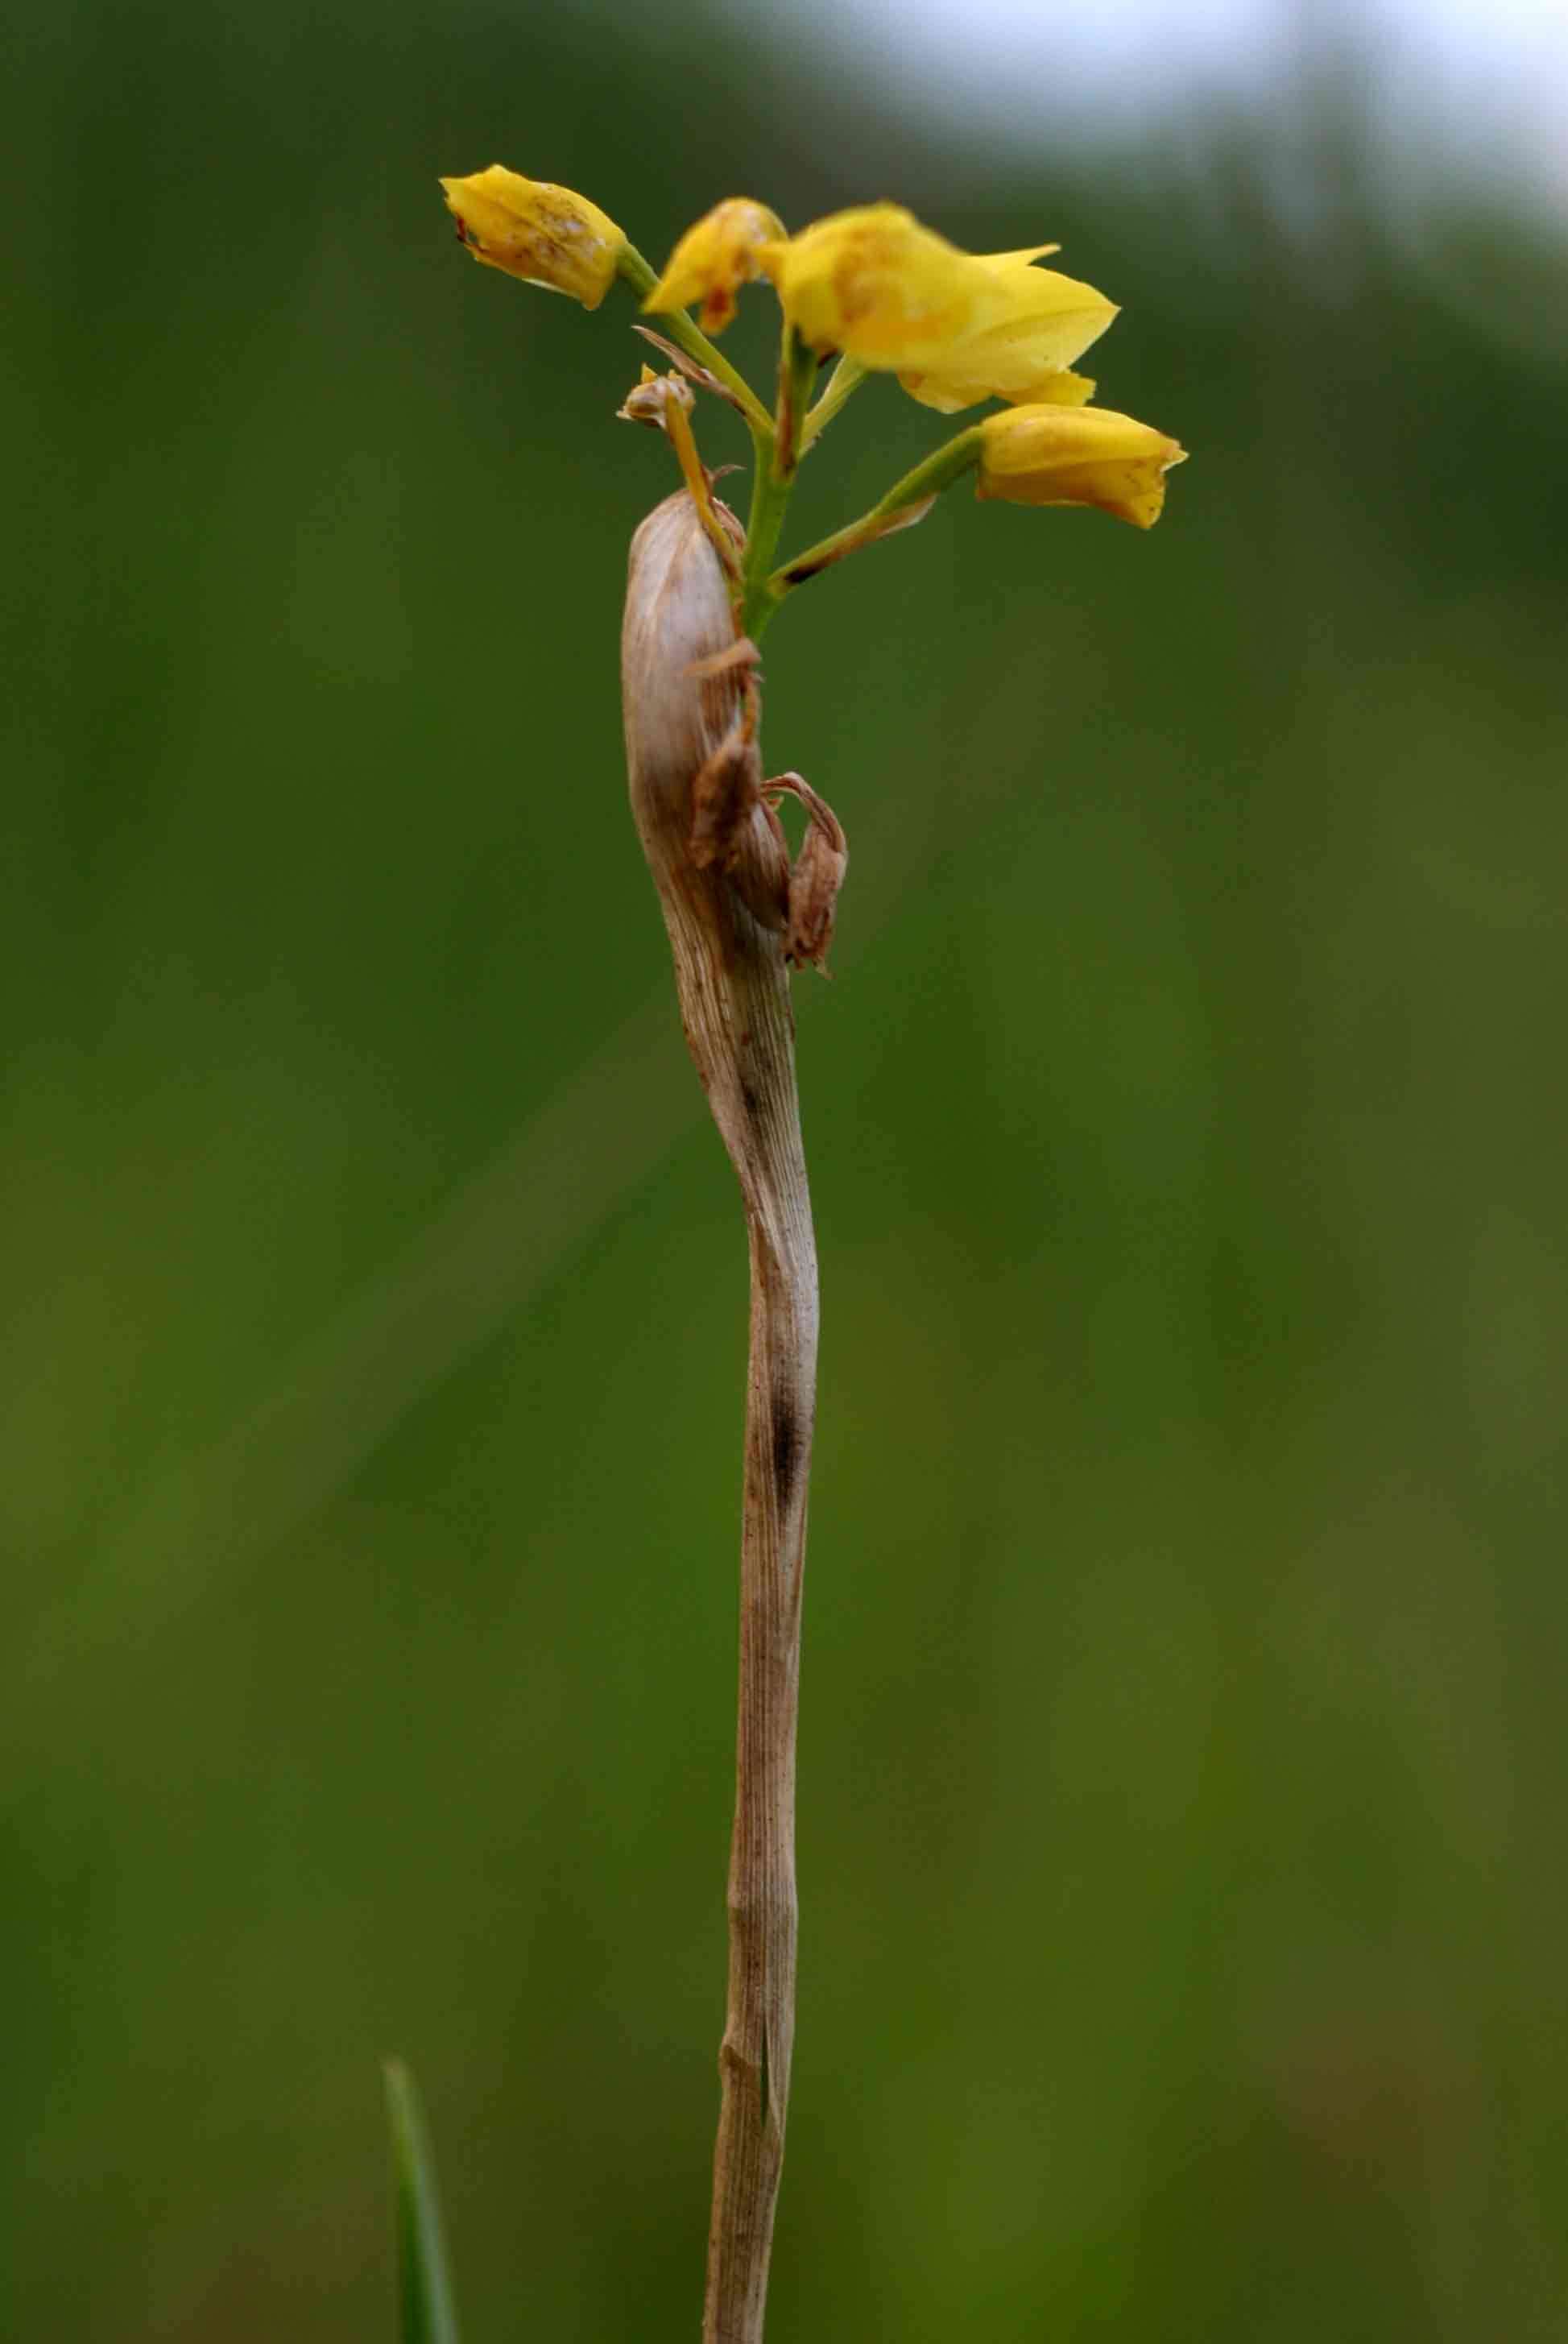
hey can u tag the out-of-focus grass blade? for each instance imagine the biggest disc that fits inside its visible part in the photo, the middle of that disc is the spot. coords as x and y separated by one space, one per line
424 2288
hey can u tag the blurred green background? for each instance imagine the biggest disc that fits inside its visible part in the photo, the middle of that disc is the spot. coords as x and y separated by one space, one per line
1182 1753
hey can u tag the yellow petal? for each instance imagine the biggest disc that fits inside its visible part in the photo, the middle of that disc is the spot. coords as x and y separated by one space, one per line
715 258
1037 322
546 236
947 393
1077 455
1063 389
876 284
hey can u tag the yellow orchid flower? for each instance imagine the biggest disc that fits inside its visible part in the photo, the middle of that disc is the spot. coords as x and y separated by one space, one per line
1039 322
877 285
1044 455
545 235
955 326
715 258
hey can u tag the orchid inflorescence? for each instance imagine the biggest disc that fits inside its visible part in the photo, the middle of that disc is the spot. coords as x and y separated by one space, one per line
885 293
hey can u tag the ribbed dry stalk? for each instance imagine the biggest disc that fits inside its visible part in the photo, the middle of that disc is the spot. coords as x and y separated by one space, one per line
720 862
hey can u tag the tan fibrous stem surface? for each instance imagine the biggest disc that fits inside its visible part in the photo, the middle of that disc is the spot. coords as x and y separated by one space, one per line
727 910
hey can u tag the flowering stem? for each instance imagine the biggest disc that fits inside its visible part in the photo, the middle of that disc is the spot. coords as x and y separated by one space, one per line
797 375
642 279
845 380
773 480
769 497
905 502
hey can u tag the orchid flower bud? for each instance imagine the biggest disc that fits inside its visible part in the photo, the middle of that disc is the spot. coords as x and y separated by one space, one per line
546 236
714 259
1076 456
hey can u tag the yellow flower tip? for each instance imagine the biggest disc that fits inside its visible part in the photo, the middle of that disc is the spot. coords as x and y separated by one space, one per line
715 258
545 235
1005 261
1053 455
874 283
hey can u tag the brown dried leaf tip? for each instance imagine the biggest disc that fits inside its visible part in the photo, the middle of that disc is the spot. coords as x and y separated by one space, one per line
727 793
817 877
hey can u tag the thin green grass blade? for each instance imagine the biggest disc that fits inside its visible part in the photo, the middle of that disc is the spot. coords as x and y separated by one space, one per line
424 2287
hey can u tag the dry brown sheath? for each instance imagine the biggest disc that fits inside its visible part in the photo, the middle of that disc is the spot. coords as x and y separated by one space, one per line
718 859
